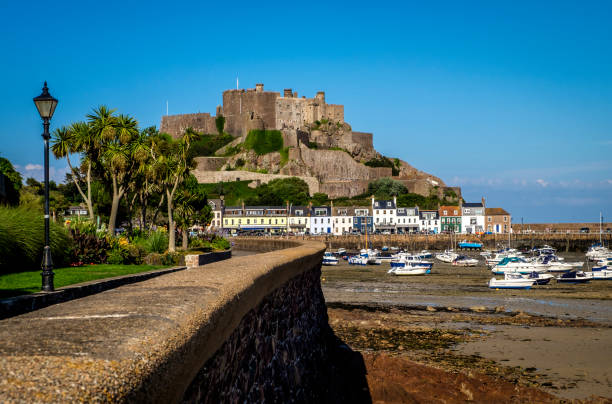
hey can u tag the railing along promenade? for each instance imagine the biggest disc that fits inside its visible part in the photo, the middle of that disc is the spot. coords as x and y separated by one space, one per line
245 329
567 241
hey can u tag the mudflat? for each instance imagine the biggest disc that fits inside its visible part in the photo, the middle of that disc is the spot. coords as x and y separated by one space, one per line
556 339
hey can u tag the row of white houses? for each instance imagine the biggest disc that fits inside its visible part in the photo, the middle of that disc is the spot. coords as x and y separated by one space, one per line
382 216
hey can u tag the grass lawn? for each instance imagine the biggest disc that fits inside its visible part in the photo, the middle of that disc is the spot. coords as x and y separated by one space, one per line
24 283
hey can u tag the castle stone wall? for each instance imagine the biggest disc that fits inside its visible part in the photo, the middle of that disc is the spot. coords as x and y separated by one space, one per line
242 105
364 139
211 177
209 163
175 125
336 189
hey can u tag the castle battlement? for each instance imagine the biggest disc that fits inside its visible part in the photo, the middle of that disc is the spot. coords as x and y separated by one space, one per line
252 108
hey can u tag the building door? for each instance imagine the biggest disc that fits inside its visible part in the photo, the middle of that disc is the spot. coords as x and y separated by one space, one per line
496 228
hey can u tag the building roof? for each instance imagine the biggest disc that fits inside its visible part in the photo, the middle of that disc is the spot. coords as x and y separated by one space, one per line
384 204
472 205
327 210
350 210
404 211
496 212
450 210
304 209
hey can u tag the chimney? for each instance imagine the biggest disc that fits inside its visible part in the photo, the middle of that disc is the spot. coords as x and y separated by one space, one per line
483 202
372 201
395 200
259 88
288 93
321 96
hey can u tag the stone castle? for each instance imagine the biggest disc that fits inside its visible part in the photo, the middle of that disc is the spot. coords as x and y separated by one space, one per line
335 167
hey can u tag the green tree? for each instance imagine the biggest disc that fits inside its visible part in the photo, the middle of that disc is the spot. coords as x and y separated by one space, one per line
386 187
172 162
319 198
114 140
191 207
76 139
220 123
12 182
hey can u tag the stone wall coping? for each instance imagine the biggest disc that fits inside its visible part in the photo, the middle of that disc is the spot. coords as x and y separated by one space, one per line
145 341
14 306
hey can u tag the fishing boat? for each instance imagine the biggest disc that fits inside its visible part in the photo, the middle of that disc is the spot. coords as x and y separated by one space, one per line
465 261
517 265
574 277
539 278
341 251
409 270
329 259
511 281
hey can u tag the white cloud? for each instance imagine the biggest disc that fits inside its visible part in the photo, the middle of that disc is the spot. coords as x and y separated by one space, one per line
30 167
542 182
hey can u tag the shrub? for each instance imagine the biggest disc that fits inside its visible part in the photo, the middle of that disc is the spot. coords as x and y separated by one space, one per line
157 242
115 257
240 162
264 141
88 248
22 240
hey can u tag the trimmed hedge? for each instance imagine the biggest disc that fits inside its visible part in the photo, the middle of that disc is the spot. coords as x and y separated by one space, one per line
22 238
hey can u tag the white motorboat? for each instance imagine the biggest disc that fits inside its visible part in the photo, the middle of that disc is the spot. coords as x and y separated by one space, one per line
600 273
465 261
517 265
329 259
447 256
405 260
358 260
408 270
511 281
424 254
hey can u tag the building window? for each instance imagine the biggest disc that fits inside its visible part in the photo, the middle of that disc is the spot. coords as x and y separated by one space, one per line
505 218
248 221
445 212
489 219
384 212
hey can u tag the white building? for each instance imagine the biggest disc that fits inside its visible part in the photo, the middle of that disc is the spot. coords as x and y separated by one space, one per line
407 220
320 220
299 219
429 221
473 217
384 215
216 205
342 219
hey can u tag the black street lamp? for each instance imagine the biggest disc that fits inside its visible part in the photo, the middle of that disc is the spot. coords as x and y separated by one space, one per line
46 104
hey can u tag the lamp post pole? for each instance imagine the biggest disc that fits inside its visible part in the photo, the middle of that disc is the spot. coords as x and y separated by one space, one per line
47 262
46 104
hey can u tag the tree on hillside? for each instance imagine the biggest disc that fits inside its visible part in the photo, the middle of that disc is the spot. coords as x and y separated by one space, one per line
279 191
12 182
386 187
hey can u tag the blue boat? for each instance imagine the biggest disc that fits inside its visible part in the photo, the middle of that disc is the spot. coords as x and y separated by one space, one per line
469 245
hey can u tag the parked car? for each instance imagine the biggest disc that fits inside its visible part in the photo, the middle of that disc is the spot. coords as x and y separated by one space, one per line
584 230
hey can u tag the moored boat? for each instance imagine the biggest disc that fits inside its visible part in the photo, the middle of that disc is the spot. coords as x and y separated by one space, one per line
574 277
511 281
329 259
470 245
465 261
517 265
408 270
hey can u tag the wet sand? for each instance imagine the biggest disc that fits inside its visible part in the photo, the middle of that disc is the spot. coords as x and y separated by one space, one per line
557 338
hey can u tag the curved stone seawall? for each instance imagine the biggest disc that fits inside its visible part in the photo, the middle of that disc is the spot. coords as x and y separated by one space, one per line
251 328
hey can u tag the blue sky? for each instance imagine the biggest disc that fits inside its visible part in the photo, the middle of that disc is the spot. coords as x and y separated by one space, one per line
511 101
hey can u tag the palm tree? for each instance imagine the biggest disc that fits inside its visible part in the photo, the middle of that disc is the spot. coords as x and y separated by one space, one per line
74 140
114 135
171 167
